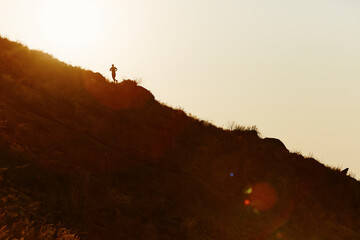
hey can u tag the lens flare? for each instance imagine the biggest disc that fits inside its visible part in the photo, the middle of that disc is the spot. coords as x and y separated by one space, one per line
248 190
262 196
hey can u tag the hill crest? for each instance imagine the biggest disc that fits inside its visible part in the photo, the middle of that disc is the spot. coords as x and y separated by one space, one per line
110 162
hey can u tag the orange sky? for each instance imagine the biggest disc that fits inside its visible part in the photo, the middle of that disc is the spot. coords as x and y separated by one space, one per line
289 67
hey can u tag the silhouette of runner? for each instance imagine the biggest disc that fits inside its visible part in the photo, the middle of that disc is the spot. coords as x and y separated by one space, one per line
113 70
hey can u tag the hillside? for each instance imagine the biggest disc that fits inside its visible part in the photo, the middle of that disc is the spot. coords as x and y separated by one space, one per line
81 157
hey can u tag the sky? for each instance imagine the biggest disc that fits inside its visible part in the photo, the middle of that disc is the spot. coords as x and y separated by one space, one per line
289 67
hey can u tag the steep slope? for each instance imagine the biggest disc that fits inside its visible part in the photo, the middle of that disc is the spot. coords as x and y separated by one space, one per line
110 162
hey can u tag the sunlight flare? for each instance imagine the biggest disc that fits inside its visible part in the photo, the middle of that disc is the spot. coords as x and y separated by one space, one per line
69 25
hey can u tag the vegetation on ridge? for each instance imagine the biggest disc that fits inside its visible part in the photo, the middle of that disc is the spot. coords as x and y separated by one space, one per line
80 155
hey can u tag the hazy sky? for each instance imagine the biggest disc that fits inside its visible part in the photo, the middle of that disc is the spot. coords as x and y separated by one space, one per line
290 67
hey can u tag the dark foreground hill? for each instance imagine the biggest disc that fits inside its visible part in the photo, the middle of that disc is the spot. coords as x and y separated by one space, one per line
80 155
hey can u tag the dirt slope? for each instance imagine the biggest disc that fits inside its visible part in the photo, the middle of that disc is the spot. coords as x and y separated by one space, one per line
80 155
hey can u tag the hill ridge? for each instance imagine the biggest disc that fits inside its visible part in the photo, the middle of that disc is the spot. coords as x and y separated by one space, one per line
80 155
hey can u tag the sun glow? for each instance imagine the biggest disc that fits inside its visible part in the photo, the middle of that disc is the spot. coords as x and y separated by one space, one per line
67 26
